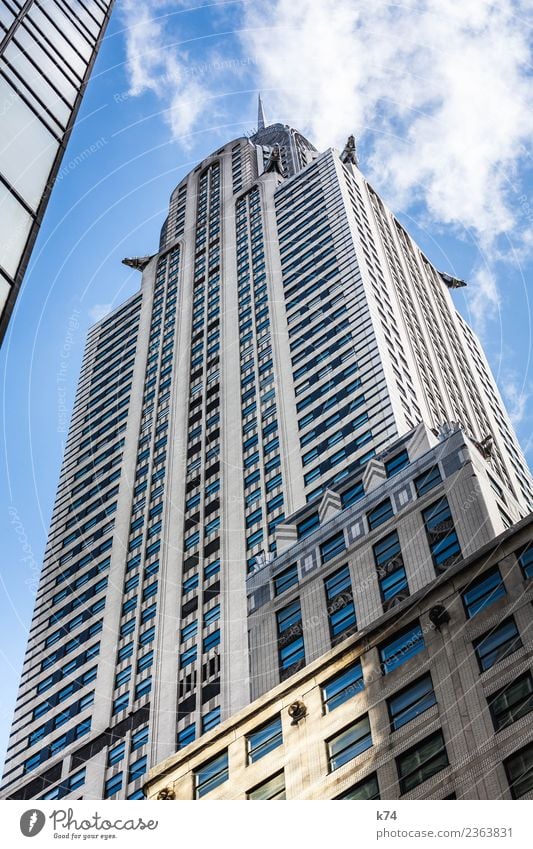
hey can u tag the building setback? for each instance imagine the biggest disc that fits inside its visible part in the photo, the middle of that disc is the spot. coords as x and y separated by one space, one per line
286 334
343 562
47 52
432 701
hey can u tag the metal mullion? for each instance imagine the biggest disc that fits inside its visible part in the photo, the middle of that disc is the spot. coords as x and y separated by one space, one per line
20 15
77 22
16 195
52 86
47 46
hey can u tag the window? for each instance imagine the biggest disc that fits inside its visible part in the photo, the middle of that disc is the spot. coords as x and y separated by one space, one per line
390 570
137 769
211 774
143 688
502 641
254 539
427 481
333 546
411 701
380 514
116 754
483 591
121 703
123 676
140 738
211 640
350 743
149 613
511 702
211 569
147 636
519 769
307 526
396 463
291 650
422 761
401 648
145 661
525 558
264 739
190 583
286 579
352 494
113 785
137 795
340 605
188 656
212 615
186 736
270 790
125 652
211 719
189 631
342 687
368 788
441 536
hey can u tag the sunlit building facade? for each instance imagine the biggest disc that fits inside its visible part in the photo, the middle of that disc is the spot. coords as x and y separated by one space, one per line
286 334
47 51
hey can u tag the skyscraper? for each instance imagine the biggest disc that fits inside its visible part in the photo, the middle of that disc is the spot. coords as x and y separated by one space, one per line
287 331
47 52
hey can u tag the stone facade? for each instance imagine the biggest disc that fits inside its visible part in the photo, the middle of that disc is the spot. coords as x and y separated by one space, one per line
479 762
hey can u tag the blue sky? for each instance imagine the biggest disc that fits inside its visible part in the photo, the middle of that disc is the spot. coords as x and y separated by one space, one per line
441 107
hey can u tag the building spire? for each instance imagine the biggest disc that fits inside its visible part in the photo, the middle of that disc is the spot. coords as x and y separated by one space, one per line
261 119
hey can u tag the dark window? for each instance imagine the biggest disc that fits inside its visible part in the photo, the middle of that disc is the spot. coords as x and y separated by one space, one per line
271 790
352 494
441 536
511 702
333 546
525 558
137 769
390 569
519 769
483 591
401 648
349 743
264 739
113 785
340 605
411 701
286 579
498 643
291 651
211 774
342 687
381 513
368 788
186 736
308 525
425 482
397 463
422 761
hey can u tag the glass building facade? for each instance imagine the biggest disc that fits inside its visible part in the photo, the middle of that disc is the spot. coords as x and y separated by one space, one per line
47 51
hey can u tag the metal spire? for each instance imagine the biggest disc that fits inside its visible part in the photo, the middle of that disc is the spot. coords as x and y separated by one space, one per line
261 118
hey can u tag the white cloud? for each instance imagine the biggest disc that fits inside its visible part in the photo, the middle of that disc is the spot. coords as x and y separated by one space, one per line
156 65
440 89
484 299
437 91
99 311
517 397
